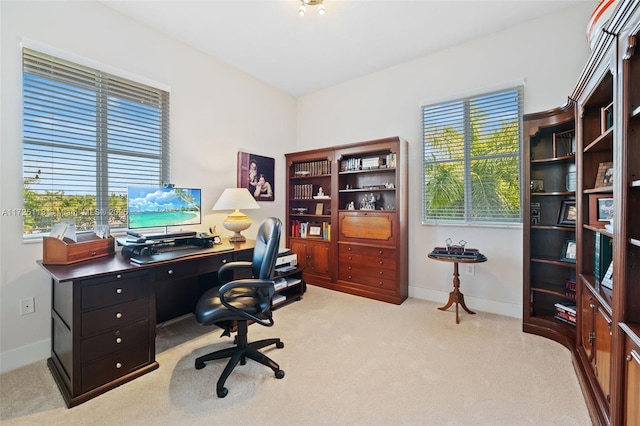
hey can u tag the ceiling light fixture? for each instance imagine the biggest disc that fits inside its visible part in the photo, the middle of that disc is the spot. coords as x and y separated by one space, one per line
304 3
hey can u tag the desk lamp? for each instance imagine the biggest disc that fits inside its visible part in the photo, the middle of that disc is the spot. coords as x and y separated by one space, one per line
236 199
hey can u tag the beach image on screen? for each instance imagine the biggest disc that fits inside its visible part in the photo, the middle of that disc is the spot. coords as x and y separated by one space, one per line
157 207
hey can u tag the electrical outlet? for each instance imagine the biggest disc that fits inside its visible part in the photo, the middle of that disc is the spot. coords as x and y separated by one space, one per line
27 305
471 269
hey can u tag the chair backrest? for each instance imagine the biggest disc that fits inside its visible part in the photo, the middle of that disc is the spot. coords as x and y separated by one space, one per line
266 249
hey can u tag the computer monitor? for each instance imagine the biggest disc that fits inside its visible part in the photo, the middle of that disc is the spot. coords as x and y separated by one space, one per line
154 207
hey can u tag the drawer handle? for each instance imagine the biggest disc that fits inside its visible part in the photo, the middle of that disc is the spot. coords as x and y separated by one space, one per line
380 272
349 249
119 315
118 365
224 260
380 252
93 253
118 276
118 290
170 272
349 276
349 267
381 283
634 355
381 262
350 258
118 340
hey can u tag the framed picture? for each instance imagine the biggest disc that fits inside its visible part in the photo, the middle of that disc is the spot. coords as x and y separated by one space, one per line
568 213
605 175
569 251
537 185
600 209
319 208
256 173
315 230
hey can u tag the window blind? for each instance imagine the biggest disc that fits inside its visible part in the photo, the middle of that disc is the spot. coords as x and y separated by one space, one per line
472 158
87 136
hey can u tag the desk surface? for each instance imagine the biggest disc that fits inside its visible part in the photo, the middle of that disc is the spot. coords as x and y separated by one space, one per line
118 263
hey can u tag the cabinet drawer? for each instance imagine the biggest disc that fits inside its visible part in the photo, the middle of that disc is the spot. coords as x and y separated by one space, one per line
114 316
371 251
388 283
116 365
112 290
177 270
362 270
115 340
372 262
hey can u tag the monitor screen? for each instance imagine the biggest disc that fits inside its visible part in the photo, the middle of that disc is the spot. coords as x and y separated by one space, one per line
151 207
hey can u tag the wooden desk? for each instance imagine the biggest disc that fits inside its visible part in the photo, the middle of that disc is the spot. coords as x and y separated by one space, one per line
456 296
104 314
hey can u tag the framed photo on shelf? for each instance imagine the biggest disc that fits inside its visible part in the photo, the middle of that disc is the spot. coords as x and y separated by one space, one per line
568 213
537 185
605 175
569 251
319 208
315 230
600 209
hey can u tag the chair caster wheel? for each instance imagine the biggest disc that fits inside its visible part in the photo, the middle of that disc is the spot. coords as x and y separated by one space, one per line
279 374
200 365
222 392
279 345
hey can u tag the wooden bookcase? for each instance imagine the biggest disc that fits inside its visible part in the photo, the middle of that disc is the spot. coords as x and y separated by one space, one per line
547 230
606 338
355 238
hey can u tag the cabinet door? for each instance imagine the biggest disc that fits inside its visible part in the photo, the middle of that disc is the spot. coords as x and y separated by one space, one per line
632 384
603 351
586 323
313 256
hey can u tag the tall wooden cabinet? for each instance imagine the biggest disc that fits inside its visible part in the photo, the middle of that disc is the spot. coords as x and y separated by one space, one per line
605 341
347 217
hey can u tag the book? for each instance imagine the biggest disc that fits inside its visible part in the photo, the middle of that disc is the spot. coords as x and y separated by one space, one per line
602 254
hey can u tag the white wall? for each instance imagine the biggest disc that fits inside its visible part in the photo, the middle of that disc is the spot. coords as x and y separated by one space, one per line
546 54
215 111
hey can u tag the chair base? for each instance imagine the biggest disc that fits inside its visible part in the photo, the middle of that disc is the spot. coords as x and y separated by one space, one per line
239 353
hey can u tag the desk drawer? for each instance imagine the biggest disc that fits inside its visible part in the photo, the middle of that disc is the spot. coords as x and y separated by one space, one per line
215 263
101 292
114 366
370 262
114 316
115 340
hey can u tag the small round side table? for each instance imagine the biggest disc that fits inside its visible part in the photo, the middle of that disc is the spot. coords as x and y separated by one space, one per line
456 296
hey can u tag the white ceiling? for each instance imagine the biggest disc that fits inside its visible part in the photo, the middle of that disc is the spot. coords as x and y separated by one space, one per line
270 41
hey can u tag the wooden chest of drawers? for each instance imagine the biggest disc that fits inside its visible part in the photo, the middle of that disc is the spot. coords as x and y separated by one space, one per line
102 333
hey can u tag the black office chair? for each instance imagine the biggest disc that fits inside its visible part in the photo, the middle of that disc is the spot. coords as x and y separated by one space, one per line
243 300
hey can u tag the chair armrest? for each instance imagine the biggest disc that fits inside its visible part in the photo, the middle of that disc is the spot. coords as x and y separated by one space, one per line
233 266
249 282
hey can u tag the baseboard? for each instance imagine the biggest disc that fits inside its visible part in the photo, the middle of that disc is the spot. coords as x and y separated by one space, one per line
500 308
25 355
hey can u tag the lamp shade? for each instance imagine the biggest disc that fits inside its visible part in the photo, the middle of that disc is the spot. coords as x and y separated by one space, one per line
236 199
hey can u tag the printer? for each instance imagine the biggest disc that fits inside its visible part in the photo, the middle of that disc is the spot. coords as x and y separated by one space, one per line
287 261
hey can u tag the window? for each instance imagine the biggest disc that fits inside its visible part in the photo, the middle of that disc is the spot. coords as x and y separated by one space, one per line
87 136
472 159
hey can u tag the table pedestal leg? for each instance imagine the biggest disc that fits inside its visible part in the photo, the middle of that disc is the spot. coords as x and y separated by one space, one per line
456 296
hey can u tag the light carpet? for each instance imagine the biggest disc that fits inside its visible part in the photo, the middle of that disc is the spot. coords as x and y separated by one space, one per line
348 361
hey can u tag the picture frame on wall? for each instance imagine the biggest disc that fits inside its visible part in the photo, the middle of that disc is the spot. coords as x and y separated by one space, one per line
257 174
568 213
